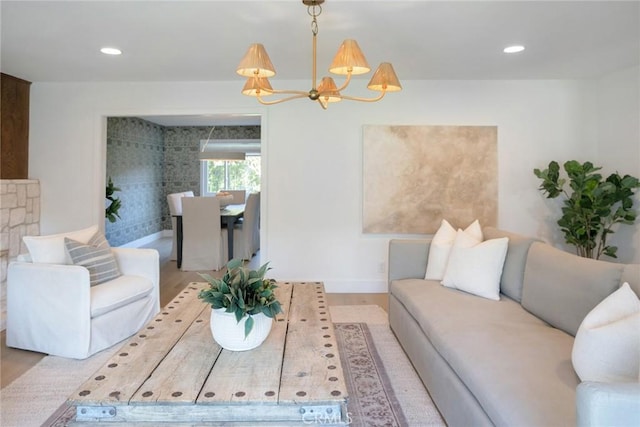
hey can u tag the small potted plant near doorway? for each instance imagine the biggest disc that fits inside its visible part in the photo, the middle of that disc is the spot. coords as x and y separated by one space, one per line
111 211
243 306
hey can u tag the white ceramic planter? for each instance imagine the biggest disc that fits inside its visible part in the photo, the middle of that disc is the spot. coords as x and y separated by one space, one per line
230 334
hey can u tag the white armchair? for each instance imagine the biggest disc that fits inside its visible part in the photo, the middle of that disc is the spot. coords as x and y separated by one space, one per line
51 308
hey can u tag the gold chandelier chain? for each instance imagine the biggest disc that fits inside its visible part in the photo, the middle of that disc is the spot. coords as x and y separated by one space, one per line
314 11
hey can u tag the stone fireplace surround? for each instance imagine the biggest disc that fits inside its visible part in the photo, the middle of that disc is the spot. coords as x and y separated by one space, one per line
20 216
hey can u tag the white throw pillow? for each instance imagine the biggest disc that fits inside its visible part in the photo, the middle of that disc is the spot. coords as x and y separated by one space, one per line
607 344
51 249
441 247
476 267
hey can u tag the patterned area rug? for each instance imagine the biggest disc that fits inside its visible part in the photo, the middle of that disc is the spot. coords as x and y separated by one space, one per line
372 401
369 353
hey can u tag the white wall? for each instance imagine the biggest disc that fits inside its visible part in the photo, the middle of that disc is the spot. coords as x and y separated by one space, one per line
618 147
312 160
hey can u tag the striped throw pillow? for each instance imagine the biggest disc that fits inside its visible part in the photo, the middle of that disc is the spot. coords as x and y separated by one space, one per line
96 256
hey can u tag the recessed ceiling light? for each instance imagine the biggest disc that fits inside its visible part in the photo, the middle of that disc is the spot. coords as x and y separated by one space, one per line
110 51
513 49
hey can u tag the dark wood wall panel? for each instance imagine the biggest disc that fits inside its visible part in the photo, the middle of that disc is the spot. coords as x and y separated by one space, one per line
14 122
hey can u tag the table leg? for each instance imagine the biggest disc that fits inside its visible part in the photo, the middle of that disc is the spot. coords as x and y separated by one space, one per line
229 222
179 239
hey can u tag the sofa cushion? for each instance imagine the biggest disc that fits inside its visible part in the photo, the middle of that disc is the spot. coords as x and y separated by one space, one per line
505 356
562 288
51 250
95 256
607 345
117 293
513 270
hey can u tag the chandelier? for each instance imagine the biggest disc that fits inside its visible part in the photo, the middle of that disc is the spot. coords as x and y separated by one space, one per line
349 61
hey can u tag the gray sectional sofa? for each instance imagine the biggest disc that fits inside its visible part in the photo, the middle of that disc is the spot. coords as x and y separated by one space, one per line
508 362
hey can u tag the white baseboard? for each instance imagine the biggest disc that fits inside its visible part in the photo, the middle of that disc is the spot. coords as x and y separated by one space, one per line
147 239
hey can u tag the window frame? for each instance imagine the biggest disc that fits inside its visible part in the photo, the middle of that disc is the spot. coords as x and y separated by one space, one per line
204 164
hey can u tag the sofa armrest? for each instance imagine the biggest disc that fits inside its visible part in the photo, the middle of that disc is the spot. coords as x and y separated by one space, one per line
33 283
138 261
408 258
608 404
141 262
47 302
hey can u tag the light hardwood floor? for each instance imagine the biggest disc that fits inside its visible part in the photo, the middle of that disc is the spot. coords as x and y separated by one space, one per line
14 362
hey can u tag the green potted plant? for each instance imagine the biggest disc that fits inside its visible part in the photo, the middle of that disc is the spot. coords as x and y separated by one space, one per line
111 211
592 206
243 306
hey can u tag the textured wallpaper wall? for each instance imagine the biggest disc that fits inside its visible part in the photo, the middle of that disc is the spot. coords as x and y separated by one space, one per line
147 161
135 163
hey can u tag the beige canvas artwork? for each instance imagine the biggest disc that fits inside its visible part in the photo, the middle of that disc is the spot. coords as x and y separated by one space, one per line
414 176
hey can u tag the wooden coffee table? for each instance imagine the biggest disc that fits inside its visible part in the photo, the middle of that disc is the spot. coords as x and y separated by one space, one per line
172 371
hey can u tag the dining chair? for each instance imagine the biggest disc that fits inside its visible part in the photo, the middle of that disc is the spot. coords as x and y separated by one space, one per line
175 208
204 241
239 196
246 234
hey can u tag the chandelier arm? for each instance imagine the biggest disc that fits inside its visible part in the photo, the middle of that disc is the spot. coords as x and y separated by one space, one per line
355 98
269 90
345 84
285 92
278 101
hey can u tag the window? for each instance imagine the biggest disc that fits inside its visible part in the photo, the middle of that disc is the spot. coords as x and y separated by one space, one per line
217 175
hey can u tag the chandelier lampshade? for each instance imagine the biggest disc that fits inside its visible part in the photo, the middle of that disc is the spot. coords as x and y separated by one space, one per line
385 79
256 63
328 91
349 61
257 86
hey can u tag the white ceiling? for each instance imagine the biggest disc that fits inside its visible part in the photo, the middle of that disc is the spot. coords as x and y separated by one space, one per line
57 41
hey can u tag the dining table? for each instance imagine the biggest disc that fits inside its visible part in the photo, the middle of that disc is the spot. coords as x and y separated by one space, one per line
229 215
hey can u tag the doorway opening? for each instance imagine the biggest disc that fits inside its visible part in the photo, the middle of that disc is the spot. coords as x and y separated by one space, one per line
148 157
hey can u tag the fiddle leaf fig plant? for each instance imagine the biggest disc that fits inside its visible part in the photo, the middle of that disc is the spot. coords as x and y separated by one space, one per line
242 291
592 205
111 212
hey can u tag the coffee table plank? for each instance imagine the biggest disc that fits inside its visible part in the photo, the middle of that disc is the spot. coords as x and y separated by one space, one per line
311 370
310 301
180 376
123 374
254 375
